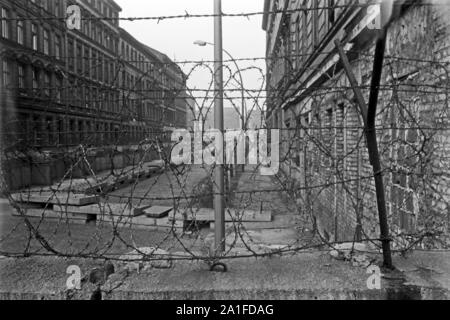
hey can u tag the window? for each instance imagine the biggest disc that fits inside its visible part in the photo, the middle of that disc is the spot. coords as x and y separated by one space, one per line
79 61
5 23
56 8
331 13
6 73
20 34
57 47
46 42
35 77
100 67
116 18
44 4
70 54
99 37
21 76
86 27
34 36
93 30
47 84
94 61
111 70
86 62
106 70
59 88
107 41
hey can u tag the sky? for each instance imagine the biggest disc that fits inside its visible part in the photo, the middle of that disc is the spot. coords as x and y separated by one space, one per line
242 37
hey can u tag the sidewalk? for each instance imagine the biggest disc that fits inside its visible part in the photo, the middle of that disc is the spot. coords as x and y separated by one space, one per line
265 193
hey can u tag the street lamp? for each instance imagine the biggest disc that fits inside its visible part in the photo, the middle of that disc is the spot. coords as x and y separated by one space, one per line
219 178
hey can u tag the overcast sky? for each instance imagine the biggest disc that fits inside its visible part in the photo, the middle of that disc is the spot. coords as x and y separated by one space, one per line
242 37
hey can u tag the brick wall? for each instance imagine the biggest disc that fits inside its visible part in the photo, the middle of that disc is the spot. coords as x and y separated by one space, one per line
413 131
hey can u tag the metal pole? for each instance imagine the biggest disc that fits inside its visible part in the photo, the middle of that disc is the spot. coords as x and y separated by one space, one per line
219 209
372 145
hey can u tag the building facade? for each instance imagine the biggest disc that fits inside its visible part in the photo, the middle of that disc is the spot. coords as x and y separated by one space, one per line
311 99
96 87
65 87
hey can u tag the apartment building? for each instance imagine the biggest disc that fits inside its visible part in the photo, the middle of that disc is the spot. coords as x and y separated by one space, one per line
311 99
96 86
64 87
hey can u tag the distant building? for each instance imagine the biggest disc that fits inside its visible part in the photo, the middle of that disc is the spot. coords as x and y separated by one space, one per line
153 89
232 118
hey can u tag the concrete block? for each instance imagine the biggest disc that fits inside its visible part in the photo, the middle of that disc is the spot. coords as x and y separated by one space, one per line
102 163
206 215
157 212
26 175
169 223
104 210
41 174
50 215
55 198
119 162
58 169
15 178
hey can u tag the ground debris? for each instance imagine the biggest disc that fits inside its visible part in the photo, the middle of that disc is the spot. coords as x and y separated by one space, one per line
359 254
143 259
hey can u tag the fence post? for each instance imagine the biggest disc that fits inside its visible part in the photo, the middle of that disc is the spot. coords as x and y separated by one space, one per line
369 115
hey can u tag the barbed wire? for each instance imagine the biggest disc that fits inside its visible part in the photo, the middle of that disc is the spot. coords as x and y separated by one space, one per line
186 15
324 174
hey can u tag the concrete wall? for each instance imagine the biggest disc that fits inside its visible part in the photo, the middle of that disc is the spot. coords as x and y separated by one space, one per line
38 169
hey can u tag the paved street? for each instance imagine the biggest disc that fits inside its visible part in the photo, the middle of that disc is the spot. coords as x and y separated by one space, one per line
181 183
284 229
68 238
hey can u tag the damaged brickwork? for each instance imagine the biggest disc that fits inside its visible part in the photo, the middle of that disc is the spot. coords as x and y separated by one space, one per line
413 135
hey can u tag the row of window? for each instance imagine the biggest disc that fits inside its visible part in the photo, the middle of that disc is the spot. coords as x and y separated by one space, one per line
51 131
302 33
104 9
49 45
98 33
36 37
52 6
154 70
90 63
92 97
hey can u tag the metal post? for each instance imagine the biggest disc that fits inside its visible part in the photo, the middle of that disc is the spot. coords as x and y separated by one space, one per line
219 209
372 144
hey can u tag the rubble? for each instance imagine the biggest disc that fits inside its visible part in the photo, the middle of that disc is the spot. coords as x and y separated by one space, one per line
359 254
138 260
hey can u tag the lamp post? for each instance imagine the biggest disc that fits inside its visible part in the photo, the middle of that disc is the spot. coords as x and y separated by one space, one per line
219 178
